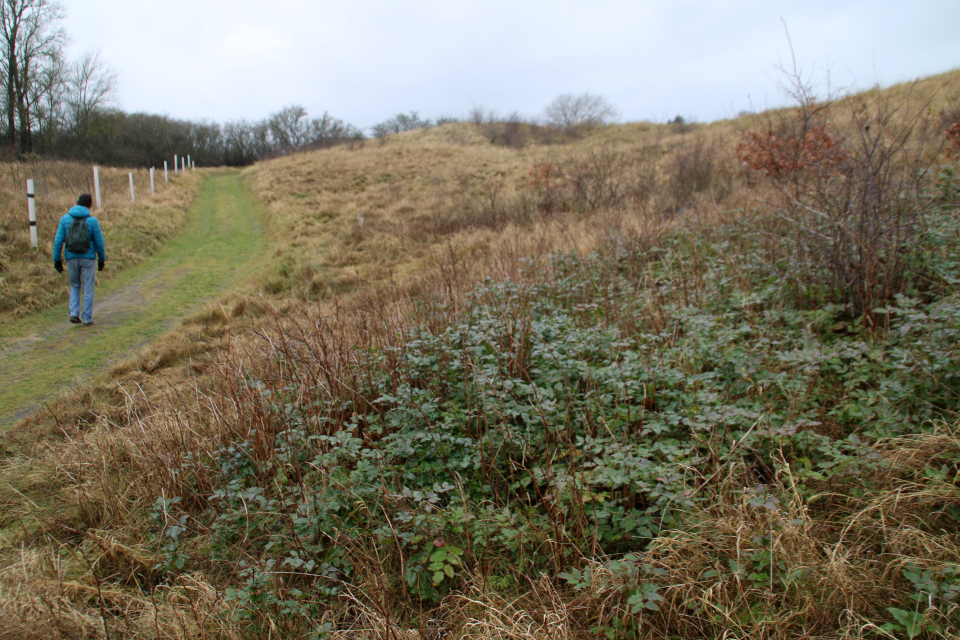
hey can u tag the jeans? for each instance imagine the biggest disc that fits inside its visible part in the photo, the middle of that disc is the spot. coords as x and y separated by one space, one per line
82 272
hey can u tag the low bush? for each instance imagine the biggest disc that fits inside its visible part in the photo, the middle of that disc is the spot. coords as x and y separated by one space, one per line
853 197
696 168
605 177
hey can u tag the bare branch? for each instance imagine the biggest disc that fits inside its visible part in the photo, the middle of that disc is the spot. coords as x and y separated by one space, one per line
568 111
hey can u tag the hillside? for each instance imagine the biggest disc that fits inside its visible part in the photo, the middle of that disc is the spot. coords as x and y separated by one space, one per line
641 381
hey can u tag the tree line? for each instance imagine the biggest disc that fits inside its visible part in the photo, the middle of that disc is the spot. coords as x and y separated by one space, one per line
144 139
64 108
53 106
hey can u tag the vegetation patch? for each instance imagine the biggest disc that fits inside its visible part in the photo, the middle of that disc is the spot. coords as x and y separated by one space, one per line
644 385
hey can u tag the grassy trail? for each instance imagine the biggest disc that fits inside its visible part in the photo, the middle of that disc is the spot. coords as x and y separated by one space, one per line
44 355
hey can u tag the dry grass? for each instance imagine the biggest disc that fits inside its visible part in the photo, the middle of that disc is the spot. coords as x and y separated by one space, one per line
50 595
367 242
344 219
838 567
383 214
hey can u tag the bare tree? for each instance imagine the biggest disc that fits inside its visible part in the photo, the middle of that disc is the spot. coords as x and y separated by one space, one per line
259 137
91 85
327 131
32 40
569 111
47 102
409 122
238 142
480 115
207 142
289 127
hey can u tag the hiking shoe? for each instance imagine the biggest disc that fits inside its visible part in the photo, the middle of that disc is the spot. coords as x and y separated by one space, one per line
74 319
87 324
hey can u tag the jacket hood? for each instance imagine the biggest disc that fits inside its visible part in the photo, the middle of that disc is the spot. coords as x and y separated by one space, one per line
79 212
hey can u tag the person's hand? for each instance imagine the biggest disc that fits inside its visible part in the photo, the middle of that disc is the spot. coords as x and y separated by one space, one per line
58 265
100 266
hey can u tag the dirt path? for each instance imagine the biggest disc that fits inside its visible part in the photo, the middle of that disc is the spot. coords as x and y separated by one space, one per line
44 355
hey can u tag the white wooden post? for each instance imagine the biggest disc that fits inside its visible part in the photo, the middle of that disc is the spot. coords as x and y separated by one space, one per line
166 175
153 188
175 165
183 164
194 165
32 207
96 185
189 163
133 197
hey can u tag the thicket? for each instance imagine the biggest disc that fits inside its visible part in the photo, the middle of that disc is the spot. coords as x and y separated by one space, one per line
584 424
143 140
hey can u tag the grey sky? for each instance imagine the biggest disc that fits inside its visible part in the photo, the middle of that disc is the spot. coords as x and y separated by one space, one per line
364 61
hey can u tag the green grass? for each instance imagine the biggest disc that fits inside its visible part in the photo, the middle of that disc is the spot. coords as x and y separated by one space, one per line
44 355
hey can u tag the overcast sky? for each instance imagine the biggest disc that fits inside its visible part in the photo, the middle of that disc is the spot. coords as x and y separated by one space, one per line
366 60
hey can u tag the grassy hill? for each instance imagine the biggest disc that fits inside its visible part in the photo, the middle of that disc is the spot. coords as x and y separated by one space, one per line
647 381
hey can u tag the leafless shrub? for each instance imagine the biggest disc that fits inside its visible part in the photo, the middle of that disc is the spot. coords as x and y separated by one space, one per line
695 168
380 132
573 113
950 125
399 124
607 177
510 132
472 204
598 179
480 115
550 189
851 189
514 131
602 177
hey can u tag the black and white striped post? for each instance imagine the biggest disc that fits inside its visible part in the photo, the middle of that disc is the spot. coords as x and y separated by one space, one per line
32 208
133 197
96 185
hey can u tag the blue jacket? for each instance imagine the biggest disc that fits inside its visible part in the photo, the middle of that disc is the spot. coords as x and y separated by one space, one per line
97 249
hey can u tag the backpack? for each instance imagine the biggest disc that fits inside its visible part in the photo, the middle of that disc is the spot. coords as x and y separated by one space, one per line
78 237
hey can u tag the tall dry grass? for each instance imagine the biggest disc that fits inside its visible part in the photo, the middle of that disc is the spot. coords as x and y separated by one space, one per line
346 219
373 246
840 557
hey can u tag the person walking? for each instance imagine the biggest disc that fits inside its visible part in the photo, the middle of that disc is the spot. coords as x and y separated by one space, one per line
81 240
